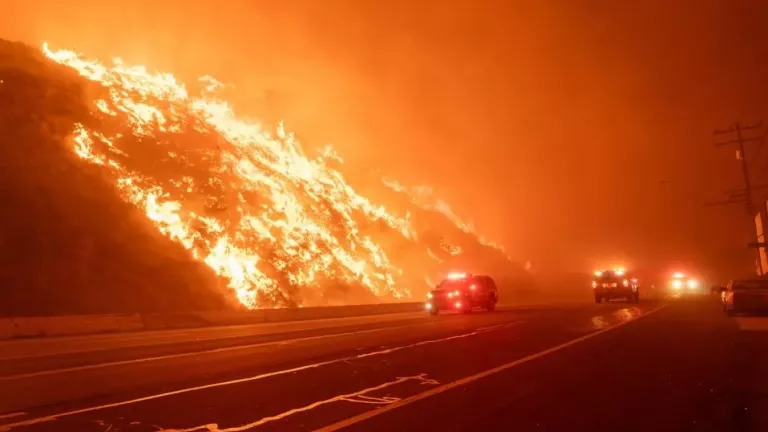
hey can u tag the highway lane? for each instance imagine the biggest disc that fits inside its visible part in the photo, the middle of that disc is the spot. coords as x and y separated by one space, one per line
686 368
65 376
43 347
46 354
36 354
314 383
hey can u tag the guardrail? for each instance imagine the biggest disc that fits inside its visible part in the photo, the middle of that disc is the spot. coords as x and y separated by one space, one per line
26 327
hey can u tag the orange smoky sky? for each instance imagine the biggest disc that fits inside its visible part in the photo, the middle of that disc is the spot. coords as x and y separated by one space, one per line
574 132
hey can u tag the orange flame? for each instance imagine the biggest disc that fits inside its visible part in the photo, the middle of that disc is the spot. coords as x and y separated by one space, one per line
256 209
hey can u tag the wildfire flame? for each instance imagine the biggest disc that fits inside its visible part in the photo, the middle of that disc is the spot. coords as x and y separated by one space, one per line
422 196
256 208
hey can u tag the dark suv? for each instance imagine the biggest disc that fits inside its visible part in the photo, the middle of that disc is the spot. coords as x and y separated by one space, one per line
611 284
463 292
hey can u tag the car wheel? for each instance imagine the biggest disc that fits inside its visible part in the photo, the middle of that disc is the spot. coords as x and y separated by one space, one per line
730 312
434 311
491 306
598 299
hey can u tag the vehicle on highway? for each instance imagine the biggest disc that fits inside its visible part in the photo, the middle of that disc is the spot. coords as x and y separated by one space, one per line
612 284
745 296
681 285
463 292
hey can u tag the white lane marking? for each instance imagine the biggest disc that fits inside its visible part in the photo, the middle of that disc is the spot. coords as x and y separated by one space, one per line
349 397
128 338
52 417
15 343
203 334
206 335
196 353
431 341
372 400
437 390
12 415
759 324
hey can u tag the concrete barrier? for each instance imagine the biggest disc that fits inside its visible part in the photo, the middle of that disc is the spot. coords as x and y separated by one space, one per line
221 318
90 324
74 325
6 328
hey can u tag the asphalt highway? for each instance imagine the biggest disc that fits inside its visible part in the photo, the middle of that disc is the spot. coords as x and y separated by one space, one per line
678 366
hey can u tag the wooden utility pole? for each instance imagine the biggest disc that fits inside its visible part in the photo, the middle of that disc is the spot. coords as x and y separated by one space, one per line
747 197
738 129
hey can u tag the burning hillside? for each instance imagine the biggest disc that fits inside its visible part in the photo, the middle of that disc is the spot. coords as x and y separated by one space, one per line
279 226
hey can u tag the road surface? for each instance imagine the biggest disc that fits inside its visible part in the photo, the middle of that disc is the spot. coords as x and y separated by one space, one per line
680 366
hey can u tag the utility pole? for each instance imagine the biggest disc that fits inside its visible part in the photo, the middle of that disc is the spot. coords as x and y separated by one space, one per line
738 129
747 197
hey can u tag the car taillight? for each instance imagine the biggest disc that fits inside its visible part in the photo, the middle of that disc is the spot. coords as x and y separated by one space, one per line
594 284
625 282
472 287
458 305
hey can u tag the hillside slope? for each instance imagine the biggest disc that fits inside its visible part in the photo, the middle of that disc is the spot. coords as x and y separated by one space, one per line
123 190
68 243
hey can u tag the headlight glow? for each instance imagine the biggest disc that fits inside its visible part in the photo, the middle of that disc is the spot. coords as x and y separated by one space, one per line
677 284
